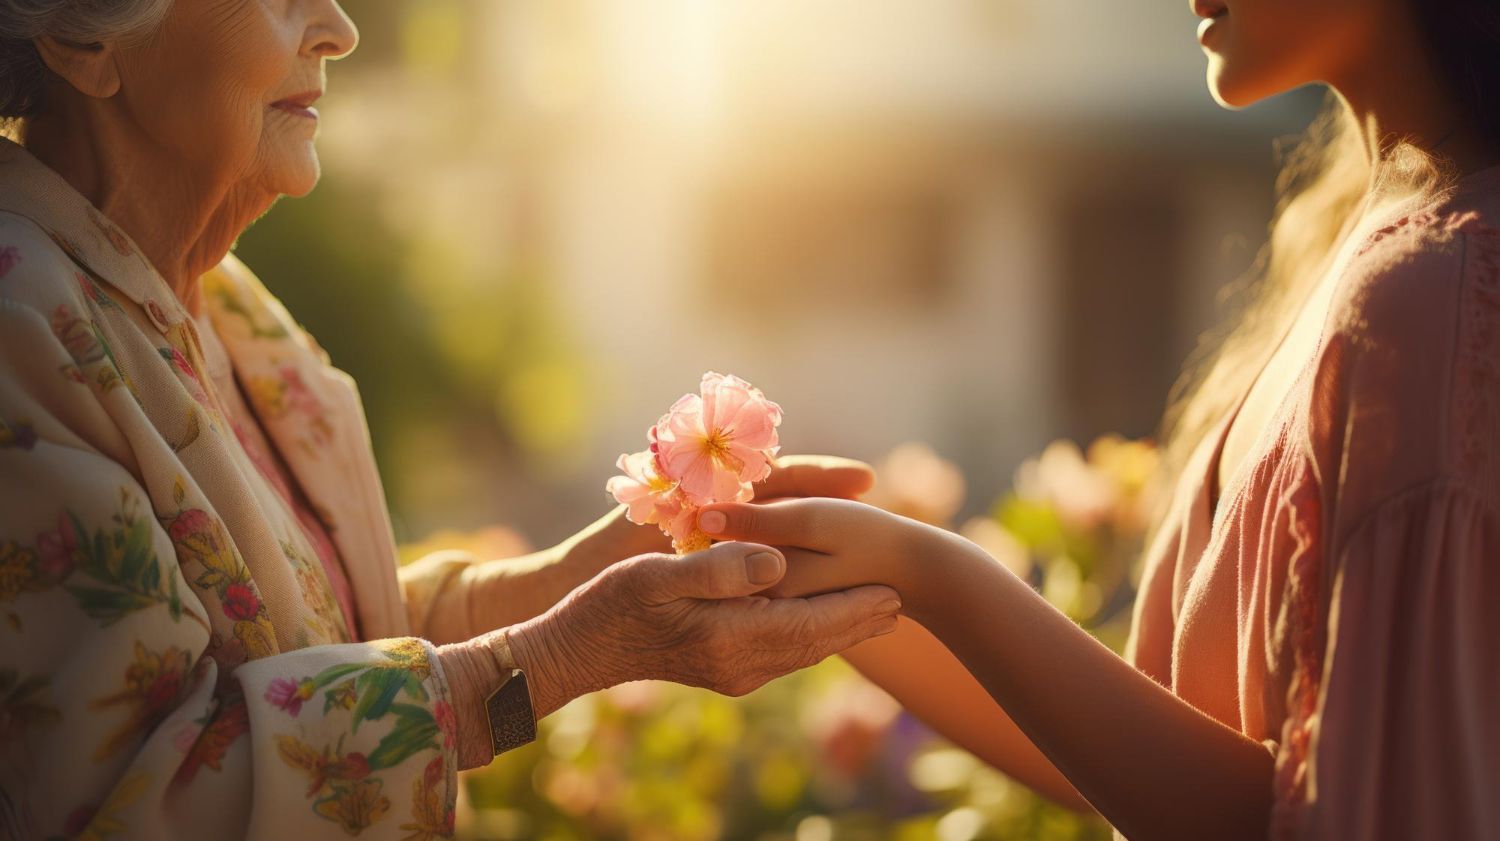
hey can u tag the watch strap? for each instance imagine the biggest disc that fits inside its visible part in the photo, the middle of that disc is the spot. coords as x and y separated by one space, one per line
512 721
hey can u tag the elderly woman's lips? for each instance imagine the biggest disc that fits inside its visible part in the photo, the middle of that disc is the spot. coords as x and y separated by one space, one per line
299 105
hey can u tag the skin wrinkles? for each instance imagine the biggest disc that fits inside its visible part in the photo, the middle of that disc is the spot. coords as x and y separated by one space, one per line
177 141
174 138
982 658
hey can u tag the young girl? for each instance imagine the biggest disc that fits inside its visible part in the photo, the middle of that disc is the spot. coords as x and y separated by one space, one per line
1311 655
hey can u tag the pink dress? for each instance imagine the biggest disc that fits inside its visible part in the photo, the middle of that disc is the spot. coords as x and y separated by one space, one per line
1336 603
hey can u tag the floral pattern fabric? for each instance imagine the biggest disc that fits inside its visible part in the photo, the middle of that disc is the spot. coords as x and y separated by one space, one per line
173 661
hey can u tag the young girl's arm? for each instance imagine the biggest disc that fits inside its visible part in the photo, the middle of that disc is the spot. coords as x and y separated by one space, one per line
912 665
1149 762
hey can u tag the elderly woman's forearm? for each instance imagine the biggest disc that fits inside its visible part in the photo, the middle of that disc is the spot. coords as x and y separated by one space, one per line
502 592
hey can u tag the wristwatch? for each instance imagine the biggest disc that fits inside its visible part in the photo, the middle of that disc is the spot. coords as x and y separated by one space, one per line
512 721
511 715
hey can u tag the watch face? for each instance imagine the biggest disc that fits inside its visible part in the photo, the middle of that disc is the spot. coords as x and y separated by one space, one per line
512 722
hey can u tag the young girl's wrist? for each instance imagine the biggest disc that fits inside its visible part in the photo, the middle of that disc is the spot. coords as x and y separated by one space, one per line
936 561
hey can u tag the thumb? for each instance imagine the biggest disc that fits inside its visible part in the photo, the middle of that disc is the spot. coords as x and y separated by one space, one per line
724 571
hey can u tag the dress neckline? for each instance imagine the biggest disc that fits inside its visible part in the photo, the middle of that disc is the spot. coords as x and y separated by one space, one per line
1209 490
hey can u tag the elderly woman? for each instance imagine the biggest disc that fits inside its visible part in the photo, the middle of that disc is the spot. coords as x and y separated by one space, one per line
205 632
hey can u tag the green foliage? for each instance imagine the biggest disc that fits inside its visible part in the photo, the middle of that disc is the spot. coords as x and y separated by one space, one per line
414 731
124 567
821 755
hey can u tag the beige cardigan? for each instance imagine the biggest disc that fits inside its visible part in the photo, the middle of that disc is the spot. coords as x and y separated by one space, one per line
174 663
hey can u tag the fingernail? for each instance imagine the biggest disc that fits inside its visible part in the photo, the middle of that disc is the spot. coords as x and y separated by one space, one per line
763 567
713 522
889 606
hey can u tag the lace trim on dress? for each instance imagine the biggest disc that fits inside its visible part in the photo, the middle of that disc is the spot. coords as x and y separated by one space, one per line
1476 379
1306 635
1476 376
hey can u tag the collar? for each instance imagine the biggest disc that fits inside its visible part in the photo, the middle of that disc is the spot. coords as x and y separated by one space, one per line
31 189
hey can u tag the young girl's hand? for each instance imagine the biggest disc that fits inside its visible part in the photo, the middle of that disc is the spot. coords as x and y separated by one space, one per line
834 544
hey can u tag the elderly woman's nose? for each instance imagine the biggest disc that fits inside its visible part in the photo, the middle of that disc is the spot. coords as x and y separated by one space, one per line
330 33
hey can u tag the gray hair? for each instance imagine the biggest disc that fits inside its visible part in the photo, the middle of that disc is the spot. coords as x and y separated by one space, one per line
23 76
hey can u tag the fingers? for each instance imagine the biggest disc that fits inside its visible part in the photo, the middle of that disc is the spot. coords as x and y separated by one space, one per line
808 630
813 573
833 614
762 639
817 476
790 522
723 571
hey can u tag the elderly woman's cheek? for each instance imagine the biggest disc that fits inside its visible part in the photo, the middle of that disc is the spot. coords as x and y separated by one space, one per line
290 153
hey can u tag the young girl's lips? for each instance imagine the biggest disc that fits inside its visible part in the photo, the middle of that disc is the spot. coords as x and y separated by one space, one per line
1207 26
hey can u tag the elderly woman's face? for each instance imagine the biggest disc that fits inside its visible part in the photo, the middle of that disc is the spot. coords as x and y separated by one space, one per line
226 86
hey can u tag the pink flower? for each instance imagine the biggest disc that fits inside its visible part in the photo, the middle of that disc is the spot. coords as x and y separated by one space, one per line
56 549
682 526
288 695
173 355
709 447
298 396
651 497
240 602
443 712
716 443
189 523
9 257
79 819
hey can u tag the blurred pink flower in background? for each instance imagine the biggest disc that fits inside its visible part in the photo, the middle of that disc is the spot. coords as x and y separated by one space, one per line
1112 484
849 723
1001 545
914 481
1060 476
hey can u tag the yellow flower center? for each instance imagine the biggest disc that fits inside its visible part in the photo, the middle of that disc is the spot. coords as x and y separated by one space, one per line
658 483
716 447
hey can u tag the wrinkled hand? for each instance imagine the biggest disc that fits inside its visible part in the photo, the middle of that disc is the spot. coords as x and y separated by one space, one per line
831 544
692 620
614 538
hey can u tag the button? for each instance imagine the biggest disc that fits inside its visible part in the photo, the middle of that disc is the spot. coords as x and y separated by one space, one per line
159 318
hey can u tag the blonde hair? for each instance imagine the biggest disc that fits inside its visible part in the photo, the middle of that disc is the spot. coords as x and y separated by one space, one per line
1326 179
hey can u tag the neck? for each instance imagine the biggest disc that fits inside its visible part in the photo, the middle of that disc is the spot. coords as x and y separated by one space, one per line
1398 96
183 220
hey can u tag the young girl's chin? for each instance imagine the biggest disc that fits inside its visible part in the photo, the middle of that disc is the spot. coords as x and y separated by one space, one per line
1231 89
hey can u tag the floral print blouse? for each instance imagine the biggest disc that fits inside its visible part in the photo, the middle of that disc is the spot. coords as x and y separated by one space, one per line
219 369
175 662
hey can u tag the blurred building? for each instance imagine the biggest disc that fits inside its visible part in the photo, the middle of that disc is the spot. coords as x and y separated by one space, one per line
980 223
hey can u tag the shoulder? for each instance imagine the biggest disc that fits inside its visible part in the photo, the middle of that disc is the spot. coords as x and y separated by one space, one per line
1407 281
1405 384
55 362
36 273
251 309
